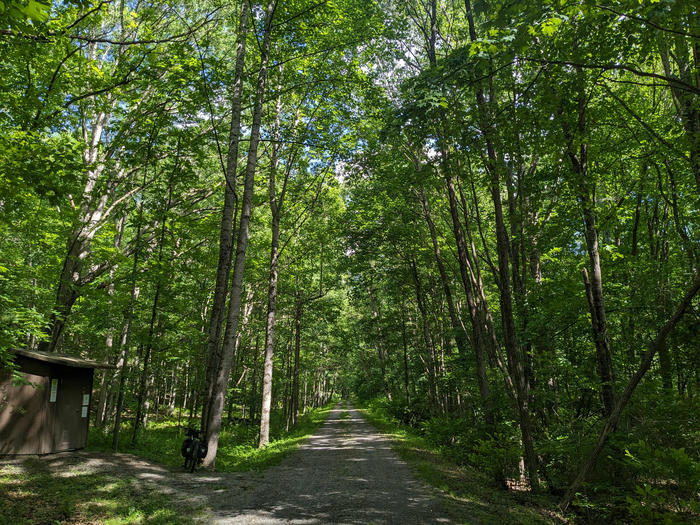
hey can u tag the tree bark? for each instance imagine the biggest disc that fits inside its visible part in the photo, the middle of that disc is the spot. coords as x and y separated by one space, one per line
275 210
405 355
479 342
431 369
151 326
126 337
216 404
108 378
380 341
298 312
506 299
622 401
84 230
460 335
227 219
594 285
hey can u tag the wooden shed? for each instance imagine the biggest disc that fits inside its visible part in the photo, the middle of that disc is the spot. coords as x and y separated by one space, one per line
48 410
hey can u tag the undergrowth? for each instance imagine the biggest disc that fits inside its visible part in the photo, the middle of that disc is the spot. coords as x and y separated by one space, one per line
470 496
238 444
649 472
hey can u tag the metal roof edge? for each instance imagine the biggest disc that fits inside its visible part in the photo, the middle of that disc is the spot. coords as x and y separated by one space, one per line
61 359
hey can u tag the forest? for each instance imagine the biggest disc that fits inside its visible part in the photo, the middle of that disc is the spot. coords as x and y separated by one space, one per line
477 219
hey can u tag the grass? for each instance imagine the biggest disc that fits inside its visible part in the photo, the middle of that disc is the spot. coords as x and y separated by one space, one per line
30 495
237 451
469 496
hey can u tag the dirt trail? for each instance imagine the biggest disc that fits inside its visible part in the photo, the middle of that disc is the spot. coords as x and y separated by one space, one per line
345 473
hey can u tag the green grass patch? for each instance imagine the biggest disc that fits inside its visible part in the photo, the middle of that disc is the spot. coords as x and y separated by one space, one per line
31 494
469 496
238 444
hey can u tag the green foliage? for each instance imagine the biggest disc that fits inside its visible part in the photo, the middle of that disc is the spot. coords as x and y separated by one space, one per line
16 320
375 114
238 444
20 12
668 481
48 165
466 491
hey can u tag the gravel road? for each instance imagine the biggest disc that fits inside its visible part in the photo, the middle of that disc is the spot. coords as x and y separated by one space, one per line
345 473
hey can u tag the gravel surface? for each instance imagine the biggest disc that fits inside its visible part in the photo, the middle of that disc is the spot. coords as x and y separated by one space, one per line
345 473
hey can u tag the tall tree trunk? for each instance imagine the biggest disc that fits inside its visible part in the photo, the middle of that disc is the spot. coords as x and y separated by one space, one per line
479 342
216 403
298 312
405 355
122 365
227 219
154 313
275 210
108 378
460 335
506 299
594 283
84 229
380 341
254 378
427 338
622 401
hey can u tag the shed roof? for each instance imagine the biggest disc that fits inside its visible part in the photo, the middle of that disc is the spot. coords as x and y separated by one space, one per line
61 359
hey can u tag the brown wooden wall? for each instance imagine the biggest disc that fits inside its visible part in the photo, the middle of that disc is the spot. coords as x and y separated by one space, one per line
30 423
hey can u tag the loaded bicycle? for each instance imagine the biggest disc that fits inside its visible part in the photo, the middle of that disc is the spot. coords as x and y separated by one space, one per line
194 448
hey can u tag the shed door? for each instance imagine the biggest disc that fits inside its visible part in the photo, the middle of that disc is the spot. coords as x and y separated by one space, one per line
71 411
22 415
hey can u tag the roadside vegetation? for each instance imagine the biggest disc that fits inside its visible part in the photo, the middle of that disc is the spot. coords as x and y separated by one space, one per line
465 464
238 449
470 495
485 213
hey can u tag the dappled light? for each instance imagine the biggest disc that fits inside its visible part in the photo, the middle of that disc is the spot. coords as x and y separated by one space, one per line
355 261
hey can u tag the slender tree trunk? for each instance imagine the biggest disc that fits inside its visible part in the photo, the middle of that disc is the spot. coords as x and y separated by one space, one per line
506 299
122 366
622 401
405 355
427 338
287 401
479 342
108 378
216 406
594 284
151 326
460 335
254 378
298 312
380 341
227 219
275 209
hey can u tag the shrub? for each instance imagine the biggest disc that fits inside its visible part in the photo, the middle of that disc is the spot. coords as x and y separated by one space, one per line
667 484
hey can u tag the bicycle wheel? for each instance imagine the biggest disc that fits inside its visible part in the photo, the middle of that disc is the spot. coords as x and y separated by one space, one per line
194 455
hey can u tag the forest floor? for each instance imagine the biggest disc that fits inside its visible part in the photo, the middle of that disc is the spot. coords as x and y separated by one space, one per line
345 473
